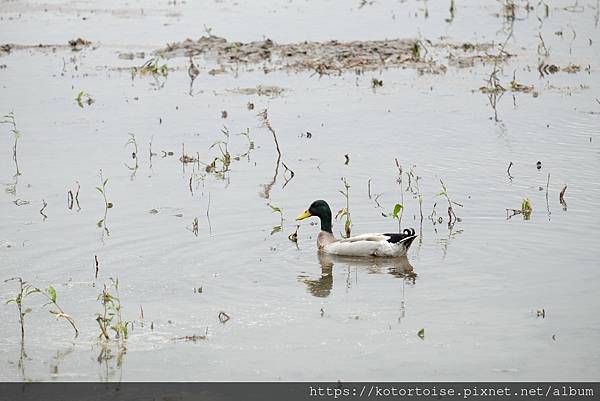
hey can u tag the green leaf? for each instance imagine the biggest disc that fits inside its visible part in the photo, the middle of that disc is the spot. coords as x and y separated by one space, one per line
52 293
397 210
275 208
8 301
443 193
104 183
32 291
421 334
341 213
100 190
276 229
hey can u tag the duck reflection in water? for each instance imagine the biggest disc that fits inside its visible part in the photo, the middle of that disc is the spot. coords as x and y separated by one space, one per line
398 267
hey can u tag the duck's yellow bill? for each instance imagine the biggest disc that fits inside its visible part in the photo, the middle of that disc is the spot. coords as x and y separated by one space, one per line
304 215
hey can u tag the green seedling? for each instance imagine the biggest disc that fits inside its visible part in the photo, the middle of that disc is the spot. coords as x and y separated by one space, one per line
59 313
84 98
107 205
111 317
413 186
396 214
345 212
26 289
525 210
399 181
225 155
150 67
452 218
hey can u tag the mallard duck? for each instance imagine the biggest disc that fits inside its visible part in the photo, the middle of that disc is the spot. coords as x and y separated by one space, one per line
373 244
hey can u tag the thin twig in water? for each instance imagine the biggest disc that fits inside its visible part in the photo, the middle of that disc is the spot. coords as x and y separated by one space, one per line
42 209
77 196
70 199
284 174
561 198
208 215
547 203
224 317
510 177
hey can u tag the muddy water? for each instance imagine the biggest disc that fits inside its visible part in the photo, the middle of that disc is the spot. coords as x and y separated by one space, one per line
475 288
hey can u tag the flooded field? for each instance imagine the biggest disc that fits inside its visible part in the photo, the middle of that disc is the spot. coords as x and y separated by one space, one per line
168 147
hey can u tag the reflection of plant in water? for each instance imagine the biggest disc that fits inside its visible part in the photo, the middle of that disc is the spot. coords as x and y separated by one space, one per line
345 212
494 90
445 241
193 72
107 205
134 155
246 134
71 199
266 193
276 209
452 12
58 358
10 119
195 226
84 98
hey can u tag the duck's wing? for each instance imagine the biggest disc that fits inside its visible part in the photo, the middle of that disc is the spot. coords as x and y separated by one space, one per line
366 237
393 238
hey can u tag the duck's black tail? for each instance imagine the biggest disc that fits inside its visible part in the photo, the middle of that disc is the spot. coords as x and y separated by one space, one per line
407 236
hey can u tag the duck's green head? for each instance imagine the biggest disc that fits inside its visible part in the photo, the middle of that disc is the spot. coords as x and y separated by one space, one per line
320 209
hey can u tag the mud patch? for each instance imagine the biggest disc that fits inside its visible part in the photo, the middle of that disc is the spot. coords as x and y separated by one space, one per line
260 90
75 45
332 57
